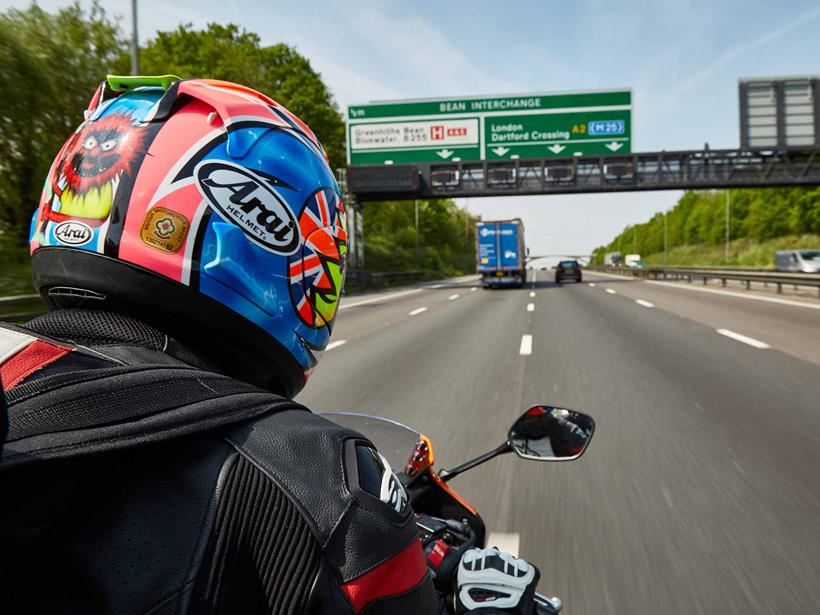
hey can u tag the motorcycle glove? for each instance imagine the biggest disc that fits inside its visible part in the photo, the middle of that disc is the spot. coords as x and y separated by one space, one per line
491 581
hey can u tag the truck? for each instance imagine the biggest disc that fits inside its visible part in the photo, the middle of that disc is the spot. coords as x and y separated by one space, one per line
501 258
612 259
633 260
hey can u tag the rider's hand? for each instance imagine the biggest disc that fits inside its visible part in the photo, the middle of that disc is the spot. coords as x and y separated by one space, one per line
491 581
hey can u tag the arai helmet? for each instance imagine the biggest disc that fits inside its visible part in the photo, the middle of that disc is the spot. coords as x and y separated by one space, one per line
205 209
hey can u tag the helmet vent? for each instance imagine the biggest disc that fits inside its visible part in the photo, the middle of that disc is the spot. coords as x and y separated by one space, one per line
62 293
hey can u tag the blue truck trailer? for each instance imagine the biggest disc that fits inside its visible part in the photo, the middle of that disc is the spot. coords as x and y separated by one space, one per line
501 257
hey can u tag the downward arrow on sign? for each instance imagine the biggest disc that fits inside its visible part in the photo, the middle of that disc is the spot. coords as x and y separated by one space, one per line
501 150
445 153
614 146
556 149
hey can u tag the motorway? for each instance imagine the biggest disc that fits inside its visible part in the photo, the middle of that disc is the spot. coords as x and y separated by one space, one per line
700 491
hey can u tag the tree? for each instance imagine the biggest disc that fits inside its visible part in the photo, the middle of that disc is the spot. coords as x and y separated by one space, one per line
233 54
446 237
699 219
50 64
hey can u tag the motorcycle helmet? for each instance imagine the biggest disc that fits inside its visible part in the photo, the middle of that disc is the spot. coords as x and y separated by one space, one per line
205 209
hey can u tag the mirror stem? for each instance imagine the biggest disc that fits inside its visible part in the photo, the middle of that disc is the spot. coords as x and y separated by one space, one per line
446 475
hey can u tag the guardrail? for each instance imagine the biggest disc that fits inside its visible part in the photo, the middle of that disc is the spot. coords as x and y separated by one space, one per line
356 279
361 279
704 274
8 313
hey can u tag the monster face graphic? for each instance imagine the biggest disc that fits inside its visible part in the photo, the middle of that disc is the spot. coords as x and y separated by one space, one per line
316 276
94 162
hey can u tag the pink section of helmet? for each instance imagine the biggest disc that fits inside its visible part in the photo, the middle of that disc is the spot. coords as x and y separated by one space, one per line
182 137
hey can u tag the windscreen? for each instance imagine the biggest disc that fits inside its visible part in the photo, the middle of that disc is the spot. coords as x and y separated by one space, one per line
396 442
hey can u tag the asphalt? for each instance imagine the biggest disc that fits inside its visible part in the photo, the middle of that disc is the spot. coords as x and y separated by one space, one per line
699 492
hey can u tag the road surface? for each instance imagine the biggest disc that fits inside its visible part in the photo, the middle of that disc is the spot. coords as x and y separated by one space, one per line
700 492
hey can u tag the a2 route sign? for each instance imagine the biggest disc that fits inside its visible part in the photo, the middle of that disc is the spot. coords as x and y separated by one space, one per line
490 128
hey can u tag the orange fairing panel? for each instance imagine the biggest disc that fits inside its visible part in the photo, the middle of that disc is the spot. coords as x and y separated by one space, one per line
452 492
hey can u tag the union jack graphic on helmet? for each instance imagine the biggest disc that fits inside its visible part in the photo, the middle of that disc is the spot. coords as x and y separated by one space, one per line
316 275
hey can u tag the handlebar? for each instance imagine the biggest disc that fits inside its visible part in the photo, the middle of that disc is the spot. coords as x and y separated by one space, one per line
547 606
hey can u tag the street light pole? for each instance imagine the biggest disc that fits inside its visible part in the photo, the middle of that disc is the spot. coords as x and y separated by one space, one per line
417 231
135 44
726 255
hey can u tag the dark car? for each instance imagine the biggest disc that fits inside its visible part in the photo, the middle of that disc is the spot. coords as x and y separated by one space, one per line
567 270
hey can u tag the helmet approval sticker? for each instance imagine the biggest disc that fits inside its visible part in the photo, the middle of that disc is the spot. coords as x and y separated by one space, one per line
249 202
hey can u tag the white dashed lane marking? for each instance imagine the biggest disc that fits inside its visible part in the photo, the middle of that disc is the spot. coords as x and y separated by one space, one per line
592 284
530 307
526 345
742 338
418 311
473 289
379 298
532 293
644 303
335 344
451 297
610 291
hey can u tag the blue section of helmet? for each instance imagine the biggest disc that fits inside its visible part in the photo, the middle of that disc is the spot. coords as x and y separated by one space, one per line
246 277
137 103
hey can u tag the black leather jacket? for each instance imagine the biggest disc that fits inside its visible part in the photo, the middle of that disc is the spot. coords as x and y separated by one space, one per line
263 516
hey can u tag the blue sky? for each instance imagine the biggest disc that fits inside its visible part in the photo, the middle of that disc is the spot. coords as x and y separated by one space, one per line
681 58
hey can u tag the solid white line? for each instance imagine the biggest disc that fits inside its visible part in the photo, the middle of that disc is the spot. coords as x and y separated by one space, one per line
418 311
335 344
451 297
742 338
644 303
436 286
532 293
344 305
610 291
504 542
526 345
592 284
729 293
530 307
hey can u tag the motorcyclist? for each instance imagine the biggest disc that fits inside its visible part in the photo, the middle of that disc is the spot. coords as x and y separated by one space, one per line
551 432
190 243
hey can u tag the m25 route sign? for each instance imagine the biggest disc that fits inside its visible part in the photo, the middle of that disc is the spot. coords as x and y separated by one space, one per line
490 128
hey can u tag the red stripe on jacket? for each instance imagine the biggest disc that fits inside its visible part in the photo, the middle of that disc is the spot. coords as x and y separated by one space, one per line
399 574
35 356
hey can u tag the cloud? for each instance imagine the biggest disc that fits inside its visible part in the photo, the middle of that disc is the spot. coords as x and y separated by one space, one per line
742 49
385 54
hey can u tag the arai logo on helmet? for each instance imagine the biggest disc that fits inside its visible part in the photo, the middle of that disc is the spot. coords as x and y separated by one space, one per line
73 233
242 197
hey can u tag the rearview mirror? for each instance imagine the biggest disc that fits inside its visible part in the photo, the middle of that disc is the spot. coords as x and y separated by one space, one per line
547 433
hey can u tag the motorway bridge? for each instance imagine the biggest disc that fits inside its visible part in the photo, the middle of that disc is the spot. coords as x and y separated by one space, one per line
700 491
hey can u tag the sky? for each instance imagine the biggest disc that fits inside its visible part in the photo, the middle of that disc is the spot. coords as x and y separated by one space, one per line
681 58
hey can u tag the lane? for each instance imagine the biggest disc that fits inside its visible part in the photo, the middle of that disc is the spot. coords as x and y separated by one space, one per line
699 492
453 371
788 326
362 315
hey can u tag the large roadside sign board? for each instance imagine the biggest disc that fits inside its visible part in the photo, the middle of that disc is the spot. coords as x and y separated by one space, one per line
490 128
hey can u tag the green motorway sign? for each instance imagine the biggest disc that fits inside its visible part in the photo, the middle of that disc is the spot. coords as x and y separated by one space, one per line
490 128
